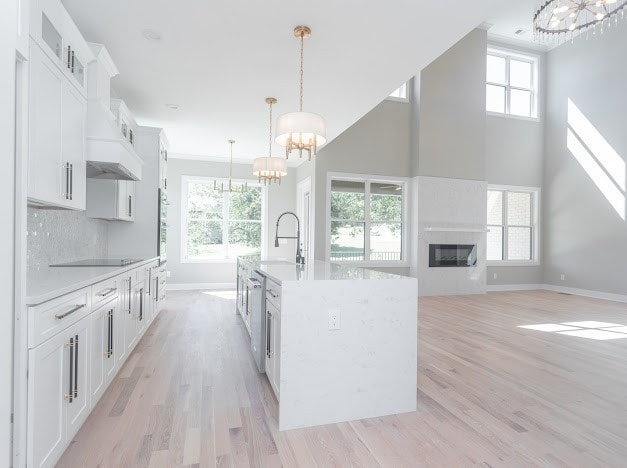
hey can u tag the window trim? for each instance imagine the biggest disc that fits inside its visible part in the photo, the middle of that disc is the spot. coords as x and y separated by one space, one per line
535 89
535 225
185 180
367 179
400 99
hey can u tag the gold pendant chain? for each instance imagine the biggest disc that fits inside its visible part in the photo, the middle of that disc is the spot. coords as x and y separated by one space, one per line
302 46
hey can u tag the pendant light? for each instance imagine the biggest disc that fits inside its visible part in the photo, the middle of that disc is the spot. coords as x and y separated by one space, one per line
269 169
231 187
301 131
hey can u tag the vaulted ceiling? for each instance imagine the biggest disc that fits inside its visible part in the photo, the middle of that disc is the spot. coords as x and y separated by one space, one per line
218 60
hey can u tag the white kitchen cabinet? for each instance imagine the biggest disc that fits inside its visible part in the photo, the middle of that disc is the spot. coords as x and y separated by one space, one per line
23 26
111 199
121 326
56 162
58 393
103 356
48 383
52 28
163 165
273 346
139 309
130 324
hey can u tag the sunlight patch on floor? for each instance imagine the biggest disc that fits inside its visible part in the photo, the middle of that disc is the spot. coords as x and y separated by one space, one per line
221 294
590 329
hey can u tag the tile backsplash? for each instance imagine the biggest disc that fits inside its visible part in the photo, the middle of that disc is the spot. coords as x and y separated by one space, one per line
56 236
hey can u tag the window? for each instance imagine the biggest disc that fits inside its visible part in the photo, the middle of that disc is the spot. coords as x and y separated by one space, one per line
399 94
218 225
512 225
511 83
366 220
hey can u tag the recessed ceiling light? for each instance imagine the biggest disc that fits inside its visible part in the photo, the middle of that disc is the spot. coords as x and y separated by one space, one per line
151 34
172 106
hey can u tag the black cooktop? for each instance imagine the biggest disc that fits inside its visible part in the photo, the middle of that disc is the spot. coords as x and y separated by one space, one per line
99 262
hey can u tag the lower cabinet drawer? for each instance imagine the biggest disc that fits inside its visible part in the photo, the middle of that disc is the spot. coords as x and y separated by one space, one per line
47 319
104 291
273 293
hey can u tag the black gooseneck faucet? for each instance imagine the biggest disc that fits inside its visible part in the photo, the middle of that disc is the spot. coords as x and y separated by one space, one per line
299 256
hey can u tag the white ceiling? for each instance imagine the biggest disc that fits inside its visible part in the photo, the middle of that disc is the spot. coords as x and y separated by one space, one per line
219 59
512 16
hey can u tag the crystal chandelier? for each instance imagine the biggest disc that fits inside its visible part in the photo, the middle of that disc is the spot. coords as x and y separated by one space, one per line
566 18
231 186
301 131
269 169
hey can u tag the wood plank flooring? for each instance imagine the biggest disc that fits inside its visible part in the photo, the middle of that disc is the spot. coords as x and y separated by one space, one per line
489 394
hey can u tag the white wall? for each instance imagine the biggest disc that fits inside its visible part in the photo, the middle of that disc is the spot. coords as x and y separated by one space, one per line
7 214
584 237
280 198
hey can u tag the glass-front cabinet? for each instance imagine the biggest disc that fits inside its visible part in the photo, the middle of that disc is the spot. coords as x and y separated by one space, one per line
56 34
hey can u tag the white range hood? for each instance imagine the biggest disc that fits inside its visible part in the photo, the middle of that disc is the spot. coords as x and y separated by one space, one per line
109 154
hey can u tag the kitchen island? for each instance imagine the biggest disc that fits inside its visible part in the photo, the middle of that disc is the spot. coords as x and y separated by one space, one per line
339 342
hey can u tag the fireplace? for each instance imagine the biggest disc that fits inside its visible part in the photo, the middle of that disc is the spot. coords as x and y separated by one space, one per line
452 255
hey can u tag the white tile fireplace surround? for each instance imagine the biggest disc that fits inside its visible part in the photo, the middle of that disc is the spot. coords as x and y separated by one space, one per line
450 211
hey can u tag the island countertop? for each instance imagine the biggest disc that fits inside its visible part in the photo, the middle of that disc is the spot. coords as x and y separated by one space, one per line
282 270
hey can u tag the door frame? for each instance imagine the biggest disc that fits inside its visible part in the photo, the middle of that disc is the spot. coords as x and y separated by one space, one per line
305 186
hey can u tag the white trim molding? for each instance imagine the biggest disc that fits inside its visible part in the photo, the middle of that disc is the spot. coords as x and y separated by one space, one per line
513 287
560 289
198 286
586 293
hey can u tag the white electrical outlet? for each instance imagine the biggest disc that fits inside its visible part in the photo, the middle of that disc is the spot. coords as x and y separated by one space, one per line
563 277
334 319
168 274
496 275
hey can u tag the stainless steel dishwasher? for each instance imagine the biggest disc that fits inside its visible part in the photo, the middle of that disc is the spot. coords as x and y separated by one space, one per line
256 292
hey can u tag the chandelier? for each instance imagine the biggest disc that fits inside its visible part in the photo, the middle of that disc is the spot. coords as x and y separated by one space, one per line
301 131
270 169
566 18
242 187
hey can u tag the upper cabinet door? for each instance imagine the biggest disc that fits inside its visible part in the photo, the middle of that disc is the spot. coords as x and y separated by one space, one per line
47 179
56 167
73 145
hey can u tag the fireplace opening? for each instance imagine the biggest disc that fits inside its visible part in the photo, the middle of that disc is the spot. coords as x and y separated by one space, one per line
452 255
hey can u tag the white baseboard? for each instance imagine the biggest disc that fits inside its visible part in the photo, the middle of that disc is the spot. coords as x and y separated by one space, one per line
586 292
563 289
513 287
194 286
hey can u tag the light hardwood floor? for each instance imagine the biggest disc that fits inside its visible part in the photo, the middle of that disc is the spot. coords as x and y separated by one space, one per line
489 393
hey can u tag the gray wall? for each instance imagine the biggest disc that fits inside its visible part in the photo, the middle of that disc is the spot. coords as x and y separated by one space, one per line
584 238
452 112
515 156
377 144
279 198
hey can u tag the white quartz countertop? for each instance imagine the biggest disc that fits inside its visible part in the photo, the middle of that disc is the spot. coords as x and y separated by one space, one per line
283 270
50 282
